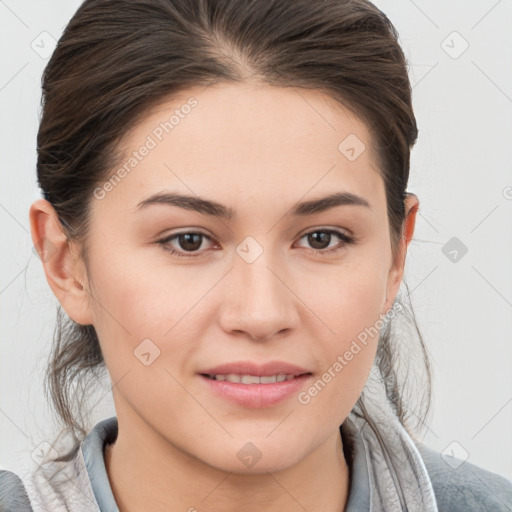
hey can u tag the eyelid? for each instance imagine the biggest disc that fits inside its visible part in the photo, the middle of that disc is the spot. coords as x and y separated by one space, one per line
331 229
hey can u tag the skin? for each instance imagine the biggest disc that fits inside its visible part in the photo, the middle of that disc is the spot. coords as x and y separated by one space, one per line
259 150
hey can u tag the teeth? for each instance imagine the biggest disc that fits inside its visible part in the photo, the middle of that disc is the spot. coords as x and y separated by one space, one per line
252 379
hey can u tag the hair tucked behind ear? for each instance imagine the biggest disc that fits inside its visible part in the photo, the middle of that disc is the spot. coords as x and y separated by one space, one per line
117 58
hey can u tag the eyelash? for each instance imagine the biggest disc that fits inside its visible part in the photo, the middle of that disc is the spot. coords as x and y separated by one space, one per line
346 239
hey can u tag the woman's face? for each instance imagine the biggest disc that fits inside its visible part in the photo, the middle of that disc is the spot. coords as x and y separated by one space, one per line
271 284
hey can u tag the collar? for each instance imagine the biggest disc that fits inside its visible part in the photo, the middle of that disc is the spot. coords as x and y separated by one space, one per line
92 447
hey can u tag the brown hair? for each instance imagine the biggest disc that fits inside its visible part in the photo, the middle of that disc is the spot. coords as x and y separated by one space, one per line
118 58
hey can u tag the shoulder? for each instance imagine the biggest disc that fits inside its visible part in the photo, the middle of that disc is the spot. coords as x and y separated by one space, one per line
58 485
13 495
461 486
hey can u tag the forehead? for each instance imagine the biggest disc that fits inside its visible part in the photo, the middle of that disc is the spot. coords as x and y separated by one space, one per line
248 142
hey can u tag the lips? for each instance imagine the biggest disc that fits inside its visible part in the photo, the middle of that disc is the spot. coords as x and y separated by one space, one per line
248 384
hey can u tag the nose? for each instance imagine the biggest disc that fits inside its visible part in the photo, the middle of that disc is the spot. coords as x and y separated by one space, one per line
260 302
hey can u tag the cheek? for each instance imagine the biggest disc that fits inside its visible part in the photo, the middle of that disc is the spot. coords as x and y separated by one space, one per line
134 301
351 297
143 299
350 306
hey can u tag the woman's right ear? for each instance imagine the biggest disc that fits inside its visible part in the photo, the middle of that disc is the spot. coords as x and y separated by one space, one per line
65 272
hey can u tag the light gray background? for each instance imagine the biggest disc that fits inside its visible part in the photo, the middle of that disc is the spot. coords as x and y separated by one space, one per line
460 169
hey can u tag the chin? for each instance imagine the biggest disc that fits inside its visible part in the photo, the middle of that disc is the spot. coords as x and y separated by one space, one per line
259 457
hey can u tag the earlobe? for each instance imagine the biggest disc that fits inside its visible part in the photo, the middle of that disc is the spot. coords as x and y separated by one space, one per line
64 271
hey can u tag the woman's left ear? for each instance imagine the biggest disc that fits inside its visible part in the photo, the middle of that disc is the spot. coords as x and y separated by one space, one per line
397 269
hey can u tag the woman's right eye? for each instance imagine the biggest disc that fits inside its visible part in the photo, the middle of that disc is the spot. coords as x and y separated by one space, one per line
189 242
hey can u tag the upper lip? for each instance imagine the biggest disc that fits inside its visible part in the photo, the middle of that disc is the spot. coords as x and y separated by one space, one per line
259 370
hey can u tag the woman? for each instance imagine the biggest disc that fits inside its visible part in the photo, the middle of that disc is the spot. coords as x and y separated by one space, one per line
225 225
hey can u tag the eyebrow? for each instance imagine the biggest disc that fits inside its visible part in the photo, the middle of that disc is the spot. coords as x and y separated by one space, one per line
212 208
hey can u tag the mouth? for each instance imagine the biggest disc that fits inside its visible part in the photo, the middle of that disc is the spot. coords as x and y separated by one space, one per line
253 379
250 385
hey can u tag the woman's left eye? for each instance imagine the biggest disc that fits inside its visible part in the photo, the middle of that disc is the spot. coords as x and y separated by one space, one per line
320 237
191 241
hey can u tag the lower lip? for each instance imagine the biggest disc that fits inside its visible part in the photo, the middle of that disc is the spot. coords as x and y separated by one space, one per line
257 395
